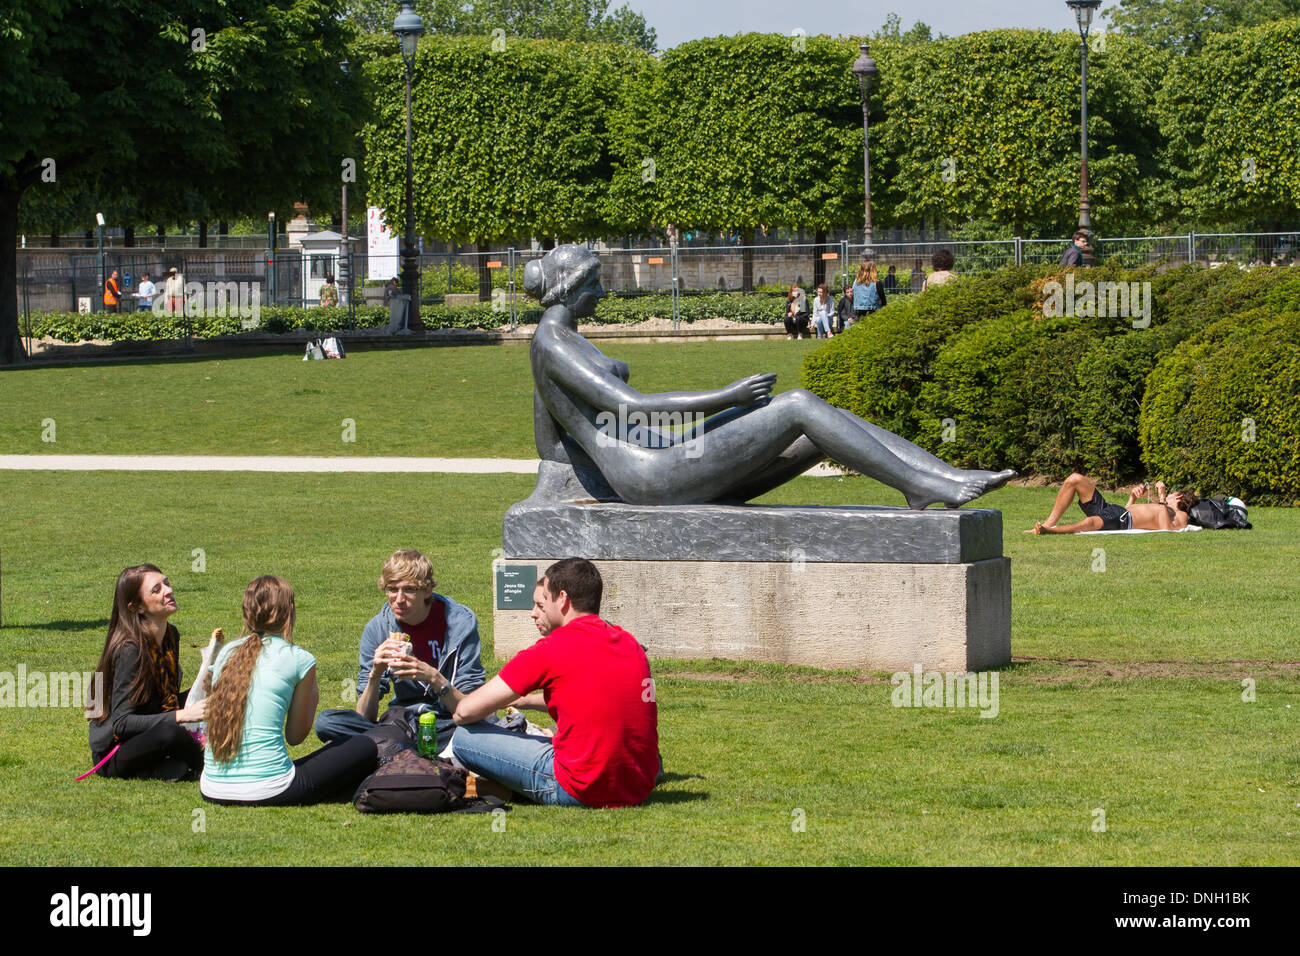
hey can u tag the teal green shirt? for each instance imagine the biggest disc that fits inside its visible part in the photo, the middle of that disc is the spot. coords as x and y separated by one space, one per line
263 752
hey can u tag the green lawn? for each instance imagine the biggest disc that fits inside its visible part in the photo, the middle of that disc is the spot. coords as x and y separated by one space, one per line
469 402
1126 695
1185 771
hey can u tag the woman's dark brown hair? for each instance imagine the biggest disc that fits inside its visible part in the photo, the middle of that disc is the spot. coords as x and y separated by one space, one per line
126 629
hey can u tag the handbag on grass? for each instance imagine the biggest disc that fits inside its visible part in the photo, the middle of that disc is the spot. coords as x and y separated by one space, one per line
409 783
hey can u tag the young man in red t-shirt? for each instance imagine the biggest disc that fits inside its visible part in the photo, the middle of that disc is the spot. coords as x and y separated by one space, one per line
594 680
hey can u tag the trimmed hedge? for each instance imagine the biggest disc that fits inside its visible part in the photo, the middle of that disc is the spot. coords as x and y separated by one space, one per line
1222 411
755 307
76 327
973 372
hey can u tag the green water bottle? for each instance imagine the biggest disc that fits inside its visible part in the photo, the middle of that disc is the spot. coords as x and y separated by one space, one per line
428 739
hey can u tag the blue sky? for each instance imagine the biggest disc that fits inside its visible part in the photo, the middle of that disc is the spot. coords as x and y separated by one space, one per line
676 21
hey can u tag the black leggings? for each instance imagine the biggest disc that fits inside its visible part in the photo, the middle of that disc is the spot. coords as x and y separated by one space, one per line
330 774
797 325
155 753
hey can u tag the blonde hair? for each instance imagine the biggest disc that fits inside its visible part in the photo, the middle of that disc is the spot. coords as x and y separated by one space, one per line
407 565
268 609
867 272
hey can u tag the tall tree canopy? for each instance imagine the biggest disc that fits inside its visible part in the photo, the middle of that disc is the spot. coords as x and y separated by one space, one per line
739 132
1232 118
509 140
893 31
986 126
1184 25
523 19
221 107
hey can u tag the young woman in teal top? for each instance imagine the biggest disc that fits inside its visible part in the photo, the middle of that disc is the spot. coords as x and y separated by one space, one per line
263 698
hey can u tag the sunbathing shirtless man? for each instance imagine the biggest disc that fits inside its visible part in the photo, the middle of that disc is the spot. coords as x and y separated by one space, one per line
1167 513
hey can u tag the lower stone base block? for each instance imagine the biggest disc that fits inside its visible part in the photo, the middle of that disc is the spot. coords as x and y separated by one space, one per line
879 617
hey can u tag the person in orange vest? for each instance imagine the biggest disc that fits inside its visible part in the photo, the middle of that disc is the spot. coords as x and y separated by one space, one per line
112 293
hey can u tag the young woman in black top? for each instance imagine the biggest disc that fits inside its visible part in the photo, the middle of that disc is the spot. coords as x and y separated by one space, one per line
137 717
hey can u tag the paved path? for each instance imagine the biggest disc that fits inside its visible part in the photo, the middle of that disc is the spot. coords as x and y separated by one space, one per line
282 463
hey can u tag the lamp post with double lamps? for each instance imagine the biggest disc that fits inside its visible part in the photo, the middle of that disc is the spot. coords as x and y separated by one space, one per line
865 69
1083 12
408 28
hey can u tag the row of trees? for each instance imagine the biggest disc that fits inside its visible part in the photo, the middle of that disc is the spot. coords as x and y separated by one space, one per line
574 141
231 108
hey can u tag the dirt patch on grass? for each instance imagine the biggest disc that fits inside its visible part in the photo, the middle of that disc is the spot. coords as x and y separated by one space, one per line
1082 669
1065 670
737 678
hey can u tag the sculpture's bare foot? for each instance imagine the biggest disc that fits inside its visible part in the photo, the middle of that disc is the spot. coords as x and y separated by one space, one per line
996 479
952 494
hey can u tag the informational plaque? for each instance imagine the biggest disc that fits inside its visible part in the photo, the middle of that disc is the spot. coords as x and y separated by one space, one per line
515 583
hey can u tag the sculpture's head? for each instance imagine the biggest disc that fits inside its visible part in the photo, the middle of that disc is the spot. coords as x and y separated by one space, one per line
568 274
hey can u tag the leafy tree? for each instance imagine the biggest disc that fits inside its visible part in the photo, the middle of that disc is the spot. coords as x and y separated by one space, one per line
985 126
742 132
1229 114
892 31
1185 25
242 108
523 19
509 141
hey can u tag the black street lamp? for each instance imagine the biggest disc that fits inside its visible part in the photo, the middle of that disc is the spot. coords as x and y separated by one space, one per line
864 68
1083 11
408 28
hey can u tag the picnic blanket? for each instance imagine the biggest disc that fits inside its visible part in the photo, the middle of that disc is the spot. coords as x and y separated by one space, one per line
1190 527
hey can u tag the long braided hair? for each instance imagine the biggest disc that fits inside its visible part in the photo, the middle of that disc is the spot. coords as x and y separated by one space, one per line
268 609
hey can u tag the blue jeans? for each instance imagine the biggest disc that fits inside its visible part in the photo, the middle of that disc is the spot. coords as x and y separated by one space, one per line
342 724
524 764
823 326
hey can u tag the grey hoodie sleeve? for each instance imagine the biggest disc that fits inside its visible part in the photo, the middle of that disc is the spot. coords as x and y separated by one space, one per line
373 635
462 628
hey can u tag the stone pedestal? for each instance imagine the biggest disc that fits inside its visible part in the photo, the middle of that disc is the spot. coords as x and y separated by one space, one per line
862 588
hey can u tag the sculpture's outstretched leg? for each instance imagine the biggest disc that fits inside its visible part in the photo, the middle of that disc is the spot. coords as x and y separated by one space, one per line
921 459
792 463
921 477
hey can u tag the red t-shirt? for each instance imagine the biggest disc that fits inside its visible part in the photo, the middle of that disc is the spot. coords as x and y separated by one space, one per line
596 681
427 636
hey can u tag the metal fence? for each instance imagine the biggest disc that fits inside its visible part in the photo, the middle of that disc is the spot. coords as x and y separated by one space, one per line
72 280
144 240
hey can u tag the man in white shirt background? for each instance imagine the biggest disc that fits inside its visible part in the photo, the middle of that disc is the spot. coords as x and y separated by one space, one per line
144 294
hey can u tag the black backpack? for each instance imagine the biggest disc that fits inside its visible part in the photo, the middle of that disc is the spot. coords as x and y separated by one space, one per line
409 783
1215 513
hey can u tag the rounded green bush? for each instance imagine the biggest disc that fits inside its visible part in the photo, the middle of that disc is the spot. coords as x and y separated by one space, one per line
975 373
1222 410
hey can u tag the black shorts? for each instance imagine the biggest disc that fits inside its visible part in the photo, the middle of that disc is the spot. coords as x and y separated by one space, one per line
1113 517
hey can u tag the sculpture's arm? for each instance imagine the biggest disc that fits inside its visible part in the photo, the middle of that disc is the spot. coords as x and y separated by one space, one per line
567 366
